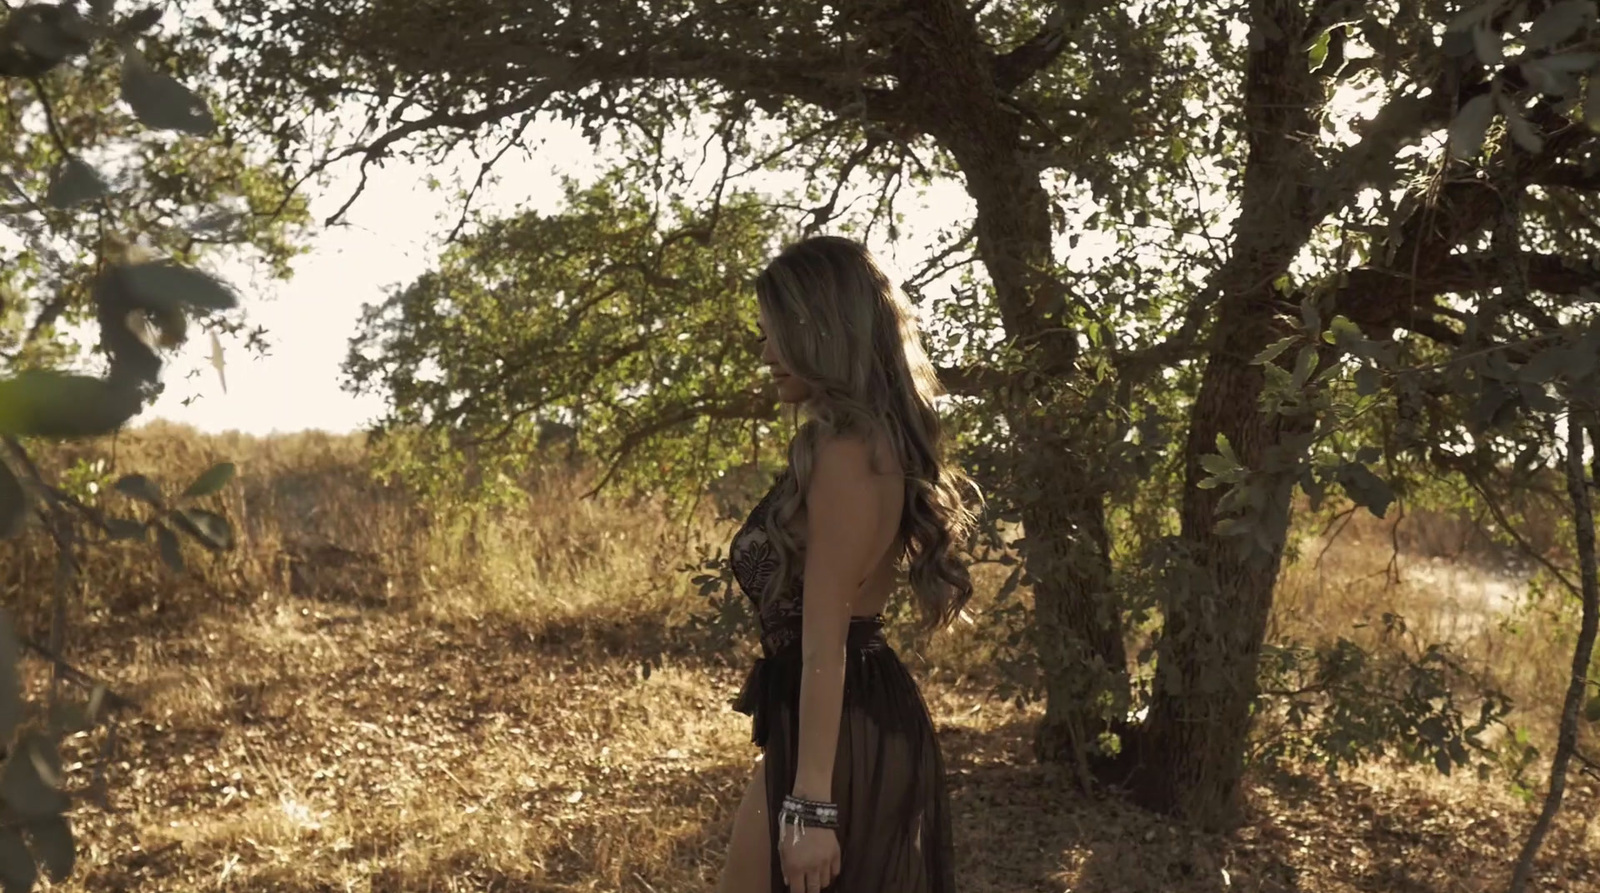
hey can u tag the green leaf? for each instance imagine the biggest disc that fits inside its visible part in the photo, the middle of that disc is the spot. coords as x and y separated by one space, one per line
1521 130
1304 365
75 184
53 845
212 481
1547 80
1346 335
160 102
1217 464
1441 761
1225 448
1571 63
125 529
1232 527
139 487
68 718
30 782
10 680
1537 398
167 543
1488 45
1456 44
1319 50
1311 316
143 20
1272 351
13 503
18 874
1366 488
1010 584
1559 21
1314 488
166 284
1591 710
1545 366
46 403
1591 103
54 37
1473 15
1368 381
1471 126
211 529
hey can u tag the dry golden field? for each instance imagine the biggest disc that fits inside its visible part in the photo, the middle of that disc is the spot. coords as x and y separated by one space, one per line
358 699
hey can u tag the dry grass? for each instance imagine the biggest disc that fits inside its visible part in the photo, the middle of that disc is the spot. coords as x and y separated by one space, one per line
362 699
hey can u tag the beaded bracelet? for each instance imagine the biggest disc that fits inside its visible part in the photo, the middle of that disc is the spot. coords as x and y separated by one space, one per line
800 814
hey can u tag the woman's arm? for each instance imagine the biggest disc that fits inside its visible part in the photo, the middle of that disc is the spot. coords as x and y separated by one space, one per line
842 542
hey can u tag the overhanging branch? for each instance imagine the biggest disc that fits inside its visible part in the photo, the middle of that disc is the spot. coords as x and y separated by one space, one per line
1371 161
1017 66
1380 299
1570 176
971 381
742 407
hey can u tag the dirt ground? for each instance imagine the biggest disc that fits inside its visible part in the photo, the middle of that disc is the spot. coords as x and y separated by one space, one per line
299 745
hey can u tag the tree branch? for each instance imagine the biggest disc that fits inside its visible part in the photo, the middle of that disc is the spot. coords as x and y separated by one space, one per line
833 87
1017 66
1380 299
971 381
750 405
1402 120
379 148
77 676
1570 176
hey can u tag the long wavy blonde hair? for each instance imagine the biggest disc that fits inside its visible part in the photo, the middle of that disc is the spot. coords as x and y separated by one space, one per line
846 330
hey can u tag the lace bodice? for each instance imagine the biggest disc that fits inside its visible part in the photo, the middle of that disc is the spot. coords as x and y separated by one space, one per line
754 561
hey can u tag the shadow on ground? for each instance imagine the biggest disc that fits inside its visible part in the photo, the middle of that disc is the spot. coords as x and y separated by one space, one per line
1020 826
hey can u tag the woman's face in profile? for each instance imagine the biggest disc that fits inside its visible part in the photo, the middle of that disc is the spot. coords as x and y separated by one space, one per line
790 389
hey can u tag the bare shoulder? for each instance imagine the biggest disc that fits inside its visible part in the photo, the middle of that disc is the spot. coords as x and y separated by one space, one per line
853 504
855 478
855 461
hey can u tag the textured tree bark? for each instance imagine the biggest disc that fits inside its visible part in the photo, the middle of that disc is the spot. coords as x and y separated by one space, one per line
1191 758
1078 623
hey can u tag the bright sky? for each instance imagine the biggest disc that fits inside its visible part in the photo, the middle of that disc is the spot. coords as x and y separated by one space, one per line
393 235
394 232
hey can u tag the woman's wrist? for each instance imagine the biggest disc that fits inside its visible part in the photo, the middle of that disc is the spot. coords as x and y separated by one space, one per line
812 789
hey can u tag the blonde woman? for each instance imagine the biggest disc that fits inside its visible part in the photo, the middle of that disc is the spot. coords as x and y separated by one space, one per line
849 795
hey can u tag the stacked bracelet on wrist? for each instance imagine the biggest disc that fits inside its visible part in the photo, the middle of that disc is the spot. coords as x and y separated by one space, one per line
800 814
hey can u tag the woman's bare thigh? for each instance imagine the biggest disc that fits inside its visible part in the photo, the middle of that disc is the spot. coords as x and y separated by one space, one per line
749 866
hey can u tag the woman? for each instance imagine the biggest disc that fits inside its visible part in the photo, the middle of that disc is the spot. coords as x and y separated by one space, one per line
849 795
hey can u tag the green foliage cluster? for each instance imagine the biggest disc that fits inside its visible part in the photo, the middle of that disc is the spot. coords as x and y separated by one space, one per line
628 317
86 246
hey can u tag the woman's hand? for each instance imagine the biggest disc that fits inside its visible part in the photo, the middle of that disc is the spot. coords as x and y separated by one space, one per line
811 860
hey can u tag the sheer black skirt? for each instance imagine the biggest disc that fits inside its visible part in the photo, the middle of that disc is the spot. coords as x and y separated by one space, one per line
888 774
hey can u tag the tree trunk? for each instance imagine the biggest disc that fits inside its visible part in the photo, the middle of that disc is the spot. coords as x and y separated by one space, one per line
1078 624
1078 635
1217 604
1191 756
1583 650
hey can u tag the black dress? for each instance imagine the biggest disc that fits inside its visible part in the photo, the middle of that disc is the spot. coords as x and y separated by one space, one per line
888 774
